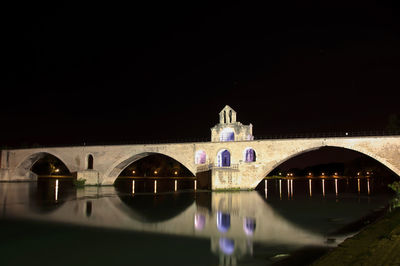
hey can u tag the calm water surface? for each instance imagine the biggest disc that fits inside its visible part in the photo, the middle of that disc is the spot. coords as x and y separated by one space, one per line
287 222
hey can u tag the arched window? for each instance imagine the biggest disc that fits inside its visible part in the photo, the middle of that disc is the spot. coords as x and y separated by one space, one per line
90 161
227 134
200 157
249 155
224 158
230 116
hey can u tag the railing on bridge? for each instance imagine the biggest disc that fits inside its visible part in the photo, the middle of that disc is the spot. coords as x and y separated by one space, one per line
330 134
210 166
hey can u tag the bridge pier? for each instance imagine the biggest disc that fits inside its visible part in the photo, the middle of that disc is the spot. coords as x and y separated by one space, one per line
204 180
91 177
226 178
4 175
17 175
234 177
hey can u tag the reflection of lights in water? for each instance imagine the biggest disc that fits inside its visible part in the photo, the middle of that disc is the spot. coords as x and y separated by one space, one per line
266 188
323 187
288 188
133 186
226 245
280 188
309 187
176 185
195 184
56 194
291 188
358 184
249 226
155 186
368 186
249 246
223 221
336 188
199 221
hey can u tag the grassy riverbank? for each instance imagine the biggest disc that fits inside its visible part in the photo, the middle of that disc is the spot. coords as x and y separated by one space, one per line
377 244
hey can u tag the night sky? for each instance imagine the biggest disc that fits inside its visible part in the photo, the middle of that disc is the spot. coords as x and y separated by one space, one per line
110 72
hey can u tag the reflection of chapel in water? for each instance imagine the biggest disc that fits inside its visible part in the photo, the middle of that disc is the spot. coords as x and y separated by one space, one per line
230 226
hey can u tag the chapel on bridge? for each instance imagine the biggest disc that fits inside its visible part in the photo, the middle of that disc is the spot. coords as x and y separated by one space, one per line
229 129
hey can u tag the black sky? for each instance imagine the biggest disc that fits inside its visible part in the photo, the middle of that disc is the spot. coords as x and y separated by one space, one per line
111 71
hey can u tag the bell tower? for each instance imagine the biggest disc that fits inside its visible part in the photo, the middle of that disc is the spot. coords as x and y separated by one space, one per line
227 115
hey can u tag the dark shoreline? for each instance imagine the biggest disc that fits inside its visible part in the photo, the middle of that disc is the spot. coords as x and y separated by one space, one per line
376 244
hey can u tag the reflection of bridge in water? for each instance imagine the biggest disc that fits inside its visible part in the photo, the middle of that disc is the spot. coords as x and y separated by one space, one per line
232 221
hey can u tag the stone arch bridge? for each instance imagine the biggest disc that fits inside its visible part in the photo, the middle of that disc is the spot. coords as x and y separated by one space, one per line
217 164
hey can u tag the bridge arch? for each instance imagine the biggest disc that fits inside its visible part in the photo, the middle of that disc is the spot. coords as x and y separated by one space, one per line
25 166
116 169
269 168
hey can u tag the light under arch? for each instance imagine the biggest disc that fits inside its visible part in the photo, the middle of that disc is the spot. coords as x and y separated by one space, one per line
377 158
119 166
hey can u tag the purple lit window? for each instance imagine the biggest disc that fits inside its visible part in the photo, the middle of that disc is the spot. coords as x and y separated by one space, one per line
224 158
250 155
200 157
227 134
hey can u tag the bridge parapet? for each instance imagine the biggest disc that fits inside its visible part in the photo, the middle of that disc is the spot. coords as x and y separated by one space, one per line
211 166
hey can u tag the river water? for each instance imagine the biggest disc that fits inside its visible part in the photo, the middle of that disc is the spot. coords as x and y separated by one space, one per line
286 222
